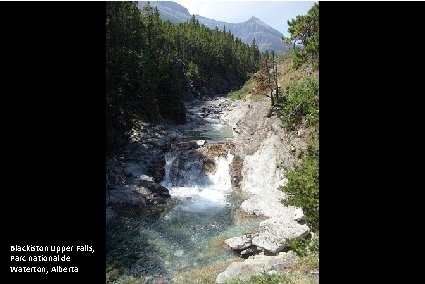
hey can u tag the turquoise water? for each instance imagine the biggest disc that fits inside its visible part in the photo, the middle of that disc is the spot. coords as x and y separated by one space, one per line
165 241
187 233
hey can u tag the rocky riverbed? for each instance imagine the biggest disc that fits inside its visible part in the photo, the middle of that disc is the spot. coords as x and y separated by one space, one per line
266 152
228 161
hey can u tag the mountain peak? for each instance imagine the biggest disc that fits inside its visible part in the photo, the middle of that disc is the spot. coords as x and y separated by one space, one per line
265 36
256 20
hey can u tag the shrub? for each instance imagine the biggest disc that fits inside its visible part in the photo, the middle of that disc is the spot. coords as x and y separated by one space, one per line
304 247
297 61
302 188
301 104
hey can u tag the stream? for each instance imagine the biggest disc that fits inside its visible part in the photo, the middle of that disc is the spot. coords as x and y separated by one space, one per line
183 241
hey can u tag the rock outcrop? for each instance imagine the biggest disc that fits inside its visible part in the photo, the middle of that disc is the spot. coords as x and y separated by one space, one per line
256 265
236 171
134 177
265 154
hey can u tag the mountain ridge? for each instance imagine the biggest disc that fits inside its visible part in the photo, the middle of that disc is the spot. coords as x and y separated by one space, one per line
266 37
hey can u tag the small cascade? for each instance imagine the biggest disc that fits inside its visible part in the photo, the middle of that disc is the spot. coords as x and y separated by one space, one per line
187 232
195 189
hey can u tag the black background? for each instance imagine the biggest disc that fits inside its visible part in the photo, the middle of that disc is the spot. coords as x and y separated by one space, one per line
53 147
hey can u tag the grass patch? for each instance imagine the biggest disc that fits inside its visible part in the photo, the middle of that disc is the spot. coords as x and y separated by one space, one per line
243 92
205 274
300 273
264 278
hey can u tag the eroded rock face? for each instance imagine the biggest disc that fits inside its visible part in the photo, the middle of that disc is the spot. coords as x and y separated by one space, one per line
267 153
256 265
193 163
188 169
145 192
125 196
236 171
134 177
156 168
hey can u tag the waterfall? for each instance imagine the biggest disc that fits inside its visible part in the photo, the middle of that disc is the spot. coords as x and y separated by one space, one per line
197 191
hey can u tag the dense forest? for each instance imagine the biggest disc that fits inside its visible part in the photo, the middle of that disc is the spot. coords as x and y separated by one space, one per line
153 66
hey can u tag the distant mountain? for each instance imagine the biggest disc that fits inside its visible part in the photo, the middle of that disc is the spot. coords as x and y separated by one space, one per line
266 37
169 11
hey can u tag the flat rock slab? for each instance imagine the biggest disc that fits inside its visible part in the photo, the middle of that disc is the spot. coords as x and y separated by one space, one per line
284 229
267 206
256 265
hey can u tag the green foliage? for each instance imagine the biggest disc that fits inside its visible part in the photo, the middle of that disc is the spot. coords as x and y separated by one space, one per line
299 273
192 74
264 278
305 29
313 246
297 60
123 51
302 188
299 246
301 104
152 67
304 247
243 92
236 95
300 109
262 77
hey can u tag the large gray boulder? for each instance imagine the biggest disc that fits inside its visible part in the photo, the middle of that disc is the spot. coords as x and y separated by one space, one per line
284 229
256 265
239 243
269 242
125 196
269 205
273 236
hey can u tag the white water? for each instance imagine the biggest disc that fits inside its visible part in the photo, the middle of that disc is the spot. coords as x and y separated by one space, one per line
184 234
200 195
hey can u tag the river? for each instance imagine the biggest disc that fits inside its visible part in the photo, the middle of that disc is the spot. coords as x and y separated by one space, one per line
183 241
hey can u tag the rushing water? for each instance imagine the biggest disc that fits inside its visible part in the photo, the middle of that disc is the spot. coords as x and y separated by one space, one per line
156 245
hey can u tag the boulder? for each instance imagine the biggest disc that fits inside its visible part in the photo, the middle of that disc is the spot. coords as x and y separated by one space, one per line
239 243
153 188
298 215
249 251
268 205
145 192
256 265
269 242
125 196
284 229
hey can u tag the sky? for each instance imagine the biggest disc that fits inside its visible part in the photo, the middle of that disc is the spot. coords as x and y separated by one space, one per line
273 13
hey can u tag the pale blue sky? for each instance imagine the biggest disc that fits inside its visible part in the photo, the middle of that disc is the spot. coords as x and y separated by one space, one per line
273 13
